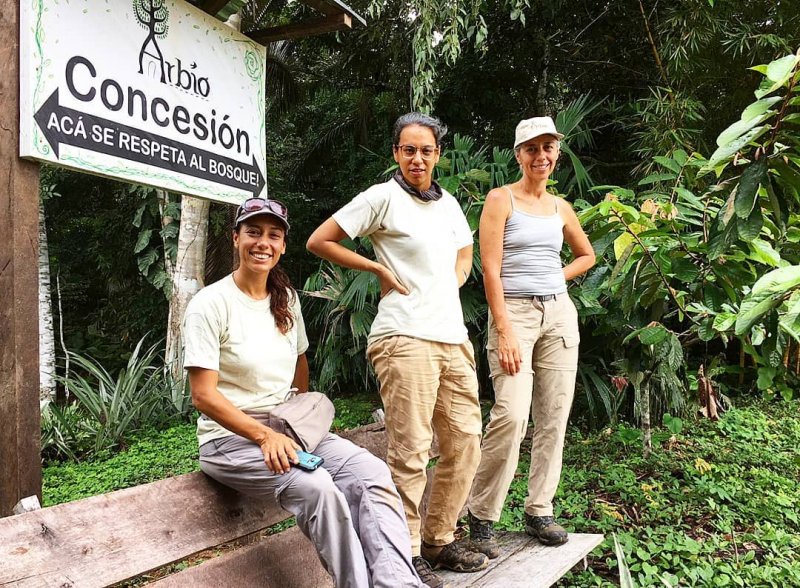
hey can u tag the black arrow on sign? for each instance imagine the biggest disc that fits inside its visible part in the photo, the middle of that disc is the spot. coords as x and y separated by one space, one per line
55 135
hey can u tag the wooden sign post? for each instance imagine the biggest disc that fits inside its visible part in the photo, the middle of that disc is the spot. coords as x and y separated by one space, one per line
20 462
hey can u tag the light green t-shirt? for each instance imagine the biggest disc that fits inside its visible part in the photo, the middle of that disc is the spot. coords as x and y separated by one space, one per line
419 242
227 331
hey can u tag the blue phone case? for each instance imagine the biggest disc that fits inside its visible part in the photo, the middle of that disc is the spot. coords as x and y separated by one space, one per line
308 461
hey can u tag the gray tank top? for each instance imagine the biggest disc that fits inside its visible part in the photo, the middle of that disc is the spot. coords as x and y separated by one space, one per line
532 254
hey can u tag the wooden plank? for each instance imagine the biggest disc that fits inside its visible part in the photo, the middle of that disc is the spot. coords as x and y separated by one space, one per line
113 537
334 7
286 560
20 462
307 28
527 563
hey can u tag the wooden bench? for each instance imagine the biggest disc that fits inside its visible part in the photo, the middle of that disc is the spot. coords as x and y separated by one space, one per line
107 539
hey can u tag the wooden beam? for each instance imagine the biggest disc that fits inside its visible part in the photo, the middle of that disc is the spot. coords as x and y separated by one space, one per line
285 560
524 562
308 28
330 7
109 538
20 462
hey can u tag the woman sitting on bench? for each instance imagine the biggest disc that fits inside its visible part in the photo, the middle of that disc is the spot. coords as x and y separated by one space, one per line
245 350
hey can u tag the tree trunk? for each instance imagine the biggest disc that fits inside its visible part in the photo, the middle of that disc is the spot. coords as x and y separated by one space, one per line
187 276
647 433
47 342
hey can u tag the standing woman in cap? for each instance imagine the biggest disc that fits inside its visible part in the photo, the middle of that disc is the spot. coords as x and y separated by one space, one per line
533 336
245 351
418 343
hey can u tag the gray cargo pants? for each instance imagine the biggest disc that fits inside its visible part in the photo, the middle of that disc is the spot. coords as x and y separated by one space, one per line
348 508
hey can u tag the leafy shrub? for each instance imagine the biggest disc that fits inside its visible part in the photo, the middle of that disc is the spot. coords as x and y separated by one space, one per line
108 409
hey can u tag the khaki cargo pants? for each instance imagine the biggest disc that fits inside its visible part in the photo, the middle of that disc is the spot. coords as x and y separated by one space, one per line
427 386
544 387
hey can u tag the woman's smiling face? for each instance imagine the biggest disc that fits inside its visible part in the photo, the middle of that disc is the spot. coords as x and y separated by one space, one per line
418 172
537 157
260 241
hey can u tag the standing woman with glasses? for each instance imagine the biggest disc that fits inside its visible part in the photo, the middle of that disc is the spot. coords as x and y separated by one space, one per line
418 343
245 351
533 336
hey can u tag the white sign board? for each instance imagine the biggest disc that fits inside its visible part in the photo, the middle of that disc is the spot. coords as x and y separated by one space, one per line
148 91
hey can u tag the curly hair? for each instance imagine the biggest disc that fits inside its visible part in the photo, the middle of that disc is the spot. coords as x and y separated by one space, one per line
281 296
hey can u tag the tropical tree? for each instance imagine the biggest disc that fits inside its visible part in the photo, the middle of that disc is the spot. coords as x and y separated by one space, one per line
705 255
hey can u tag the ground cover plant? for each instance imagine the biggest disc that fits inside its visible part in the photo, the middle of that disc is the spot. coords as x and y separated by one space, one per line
713 505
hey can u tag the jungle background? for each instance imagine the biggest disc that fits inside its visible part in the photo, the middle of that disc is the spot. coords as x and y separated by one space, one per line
682 159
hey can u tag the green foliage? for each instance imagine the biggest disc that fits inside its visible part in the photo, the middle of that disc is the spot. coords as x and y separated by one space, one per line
354 411
104 303
156 218
716 506
701 257
108 408
151 455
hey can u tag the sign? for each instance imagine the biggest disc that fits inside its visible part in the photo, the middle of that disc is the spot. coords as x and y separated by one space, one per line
148 91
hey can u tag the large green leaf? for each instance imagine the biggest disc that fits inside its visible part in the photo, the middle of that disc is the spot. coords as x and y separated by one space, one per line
767 293
685 270
763 252
778 73
723 153
722 237
668 163
759 107
649 335
724 321
747 189
750 228
790 320
740 127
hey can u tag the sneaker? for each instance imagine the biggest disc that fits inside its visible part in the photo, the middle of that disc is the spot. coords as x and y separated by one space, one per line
545 529
481 536
425 573
454 556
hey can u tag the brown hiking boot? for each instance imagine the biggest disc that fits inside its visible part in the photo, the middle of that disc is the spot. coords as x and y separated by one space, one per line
481 536
425 573
454 556
545 529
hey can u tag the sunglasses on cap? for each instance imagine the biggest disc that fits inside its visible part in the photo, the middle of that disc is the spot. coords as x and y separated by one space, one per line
254 206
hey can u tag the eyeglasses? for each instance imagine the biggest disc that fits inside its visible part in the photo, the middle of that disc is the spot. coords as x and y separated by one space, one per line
409 151
257 204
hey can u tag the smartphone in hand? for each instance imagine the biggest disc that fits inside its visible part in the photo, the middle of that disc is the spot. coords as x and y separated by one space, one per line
308 461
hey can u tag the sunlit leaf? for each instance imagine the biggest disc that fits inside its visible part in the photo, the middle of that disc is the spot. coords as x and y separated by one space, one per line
739 128
763 252
790 320
766 294
728 150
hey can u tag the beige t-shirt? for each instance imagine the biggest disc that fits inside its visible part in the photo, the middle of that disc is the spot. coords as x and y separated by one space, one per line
419 242
227 331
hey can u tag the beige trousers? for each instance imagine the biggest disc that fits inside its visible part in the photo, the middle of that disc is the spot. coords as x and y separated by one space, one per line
427 386
544 387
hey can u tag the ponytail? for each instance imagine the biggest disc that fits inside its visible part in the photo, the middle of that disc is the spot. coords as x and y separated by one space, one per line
281 297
